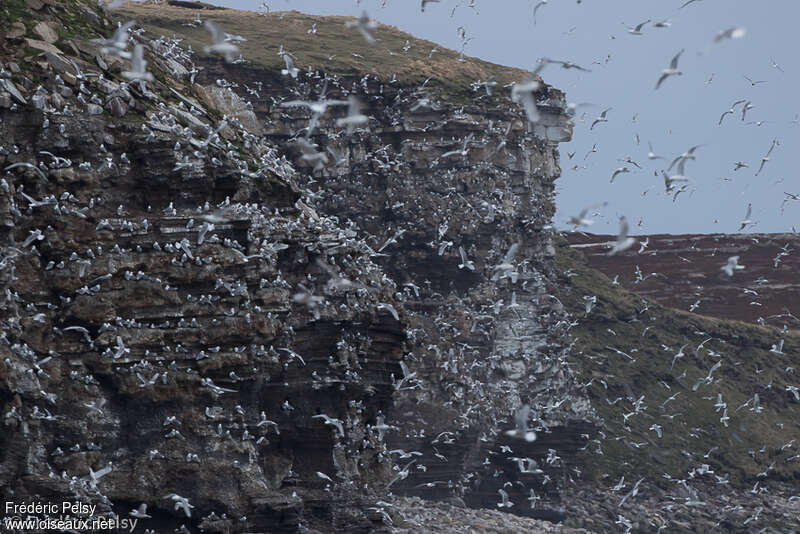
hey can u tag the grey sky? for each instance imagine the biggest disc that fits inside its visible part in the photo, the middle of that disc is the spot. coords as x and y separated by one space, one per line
682 113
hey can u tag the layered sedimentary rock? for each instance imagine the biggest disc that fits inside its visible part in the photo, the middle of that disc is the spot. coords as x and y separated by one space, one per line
175 321
439 168
426 181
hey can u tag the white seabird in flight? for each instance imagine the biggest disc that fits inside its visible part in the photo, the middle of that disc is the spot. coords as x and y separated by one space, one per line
138 70
354 116
619 171
581 219
744 223
731 33
464 149
504 503
119 41
601 118
652 154
466 263
670 180
181 503
672 70
732 265
765 159
505 268
524 94
140 513
221 45
331 421
683 158
365 26
637 30
521 421
290 69
623 242
731 110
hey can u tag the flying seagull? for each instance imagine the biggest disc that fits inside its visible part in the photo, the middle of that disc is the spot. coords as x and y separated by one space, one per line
138 70
521 421
753 82
181 503
638 29
765 158
672 70
539 4
220 44
310 154
466 263
565 64
670 180
118 42
354 116
505 269
523 93
601 118
464 149
365 26
389 308
731 33
732 266
331 421
140 513
731 110
318 108
581 219
746 221
652 154
623 242
504 502
26 165
621 170
683 158
747 107
290 68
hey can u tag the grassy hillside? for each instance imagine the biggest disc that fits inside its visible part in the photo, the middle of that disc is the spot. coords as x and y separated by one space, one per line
333 48
692 433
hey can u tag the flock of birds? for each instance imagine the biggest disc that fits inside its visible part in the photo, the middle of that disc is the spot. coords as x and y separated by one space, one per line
523 93
679 182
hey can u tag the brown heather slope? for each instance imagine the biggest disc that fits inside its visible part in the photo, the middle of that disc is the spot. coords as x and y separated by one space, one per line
689 273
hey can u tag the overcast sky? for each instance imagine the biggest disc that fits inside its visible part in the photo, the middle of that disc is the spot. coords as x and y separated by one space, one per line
684 112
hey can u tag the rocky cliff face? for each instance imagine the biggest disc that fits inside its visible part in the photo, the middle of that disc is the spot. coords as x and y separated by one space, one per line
481 340
249 333
423 184
178 320
171 310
